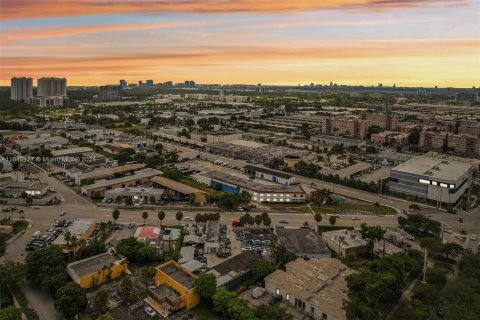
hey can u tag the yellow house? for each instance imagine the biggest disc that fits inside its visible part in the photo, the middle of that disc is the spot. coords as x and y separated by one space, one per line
98 269
174 289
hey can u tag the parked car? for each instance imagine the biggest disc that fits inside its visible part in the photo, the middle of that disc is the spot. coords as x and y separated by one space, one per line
473 237
150 311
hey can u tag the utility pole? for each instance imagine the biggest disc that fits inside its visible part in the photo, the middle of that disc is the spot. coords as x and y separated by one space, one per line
443 228
425 253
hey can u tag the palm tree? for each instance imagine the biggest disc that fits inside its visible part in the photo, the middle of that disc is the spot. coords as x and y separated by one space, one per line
144 216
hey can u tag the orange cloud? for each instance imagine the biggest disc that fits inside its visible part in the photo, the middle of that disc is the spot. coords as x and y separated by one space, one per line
39 33
25 9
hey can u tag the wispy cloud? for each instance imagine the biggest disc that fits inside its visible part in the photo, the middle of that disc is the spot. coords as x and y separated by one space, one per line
23 33
27 9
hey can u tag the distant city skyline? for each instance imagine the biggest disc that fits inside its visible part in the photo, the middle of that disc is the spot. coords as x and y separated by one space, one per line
424 43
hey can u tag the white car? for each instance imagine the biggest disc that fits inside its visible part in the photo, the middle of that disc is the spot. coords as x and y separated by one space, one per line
187 219
473 237
63 213
132 224
150 311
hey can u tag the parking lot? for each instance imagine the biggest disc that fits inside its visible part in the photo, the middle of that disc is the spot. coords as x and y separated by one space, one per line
255 239
137 311
40 240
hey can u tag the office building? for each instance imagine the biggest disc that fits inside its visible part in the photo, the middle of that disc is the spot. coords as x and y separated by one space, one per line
259 192
123 83
270 174
316 287
432 178
110 92
150 83
93 271
21 89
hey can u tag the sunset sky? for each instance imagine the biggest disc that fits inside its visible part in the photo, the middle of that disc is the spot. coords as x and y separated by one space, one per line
94 42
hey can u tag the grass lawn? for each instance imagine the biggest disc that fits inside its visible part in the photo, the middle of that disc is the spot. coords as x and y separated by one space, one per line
200 186
19 226
203 312
326 209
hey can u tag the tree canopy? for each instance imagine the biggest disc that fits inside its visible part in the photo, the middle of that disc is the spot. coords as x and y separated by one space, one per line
70 300
205 285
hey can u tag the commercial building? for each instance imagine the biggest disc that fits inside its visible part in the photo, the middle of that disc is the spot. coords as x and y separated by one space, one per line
344 241
180 191
304 242
98 188
81 229
253 151
103 173
35 143
234 271
21 89
316 287
432 178
137 194
459 143
10 188
173 289
270 174
258 192
98 269
216 136
110 92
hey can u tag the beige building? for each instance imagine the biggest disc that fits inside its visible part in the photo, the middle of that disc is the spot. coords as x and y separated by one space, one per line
316 287
344 241
216 136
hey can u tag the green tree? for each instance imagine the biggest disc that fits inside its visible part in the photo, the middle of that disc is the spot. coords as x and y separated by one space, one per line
128 201
419 225
47 268
332 220
436 276
205 285
371 234
161 216
115 215
258 220
179 216
70 300
126 285
11 273
144 216
318 218
262 268
105 317
426 294
269 312
10 313
221 300
101 299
